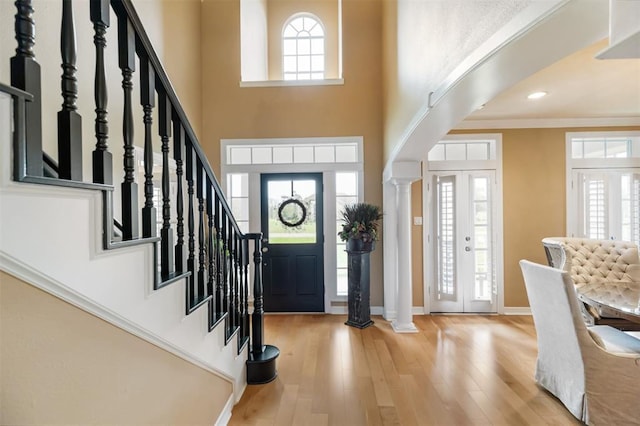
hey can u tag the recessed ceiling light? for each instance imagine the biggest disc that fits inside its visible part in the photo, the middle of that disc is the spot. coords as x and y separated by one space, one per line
537 95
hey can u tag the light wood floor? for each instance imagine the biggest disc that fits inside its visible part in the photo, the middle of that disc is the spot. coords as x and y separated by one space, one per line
457 370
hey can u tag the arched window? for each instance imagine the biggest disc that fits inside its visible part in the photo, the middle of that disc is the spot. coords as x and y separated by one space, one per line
303 48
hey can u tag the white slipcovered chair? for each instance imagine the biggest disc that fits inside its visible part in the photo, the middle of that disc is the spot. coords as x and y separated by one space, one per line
595 371
590 262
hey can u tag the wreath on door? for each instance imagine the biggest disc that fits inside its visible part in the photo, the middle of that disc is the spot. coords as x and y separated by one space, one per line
292 212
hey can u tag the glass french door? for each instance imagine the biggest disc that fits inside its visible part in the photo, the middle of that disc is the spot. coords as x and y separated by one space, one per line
464 241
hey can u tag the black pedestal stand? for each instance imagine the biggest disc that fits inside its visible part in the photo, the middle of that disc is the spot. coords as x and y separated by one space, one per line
359 304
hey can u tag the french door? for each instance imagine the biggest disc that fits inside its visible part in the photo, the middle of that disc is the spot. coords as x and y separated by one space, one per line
463 241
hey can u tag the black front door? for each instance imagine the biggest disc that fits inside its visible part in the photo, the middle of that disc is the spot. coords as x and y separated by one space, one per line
293 265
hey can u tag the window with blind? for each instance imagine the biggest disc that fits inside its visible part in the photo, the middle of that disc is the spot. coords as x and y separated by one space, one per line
604 186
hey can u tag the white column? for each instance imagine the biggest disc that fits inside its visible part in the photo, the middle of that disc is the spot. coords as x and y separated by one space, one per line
404 317
389 230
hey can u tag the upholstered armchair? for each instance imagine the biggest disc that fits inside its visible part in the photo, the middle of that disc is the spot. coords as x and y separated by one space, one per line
589 262
595 371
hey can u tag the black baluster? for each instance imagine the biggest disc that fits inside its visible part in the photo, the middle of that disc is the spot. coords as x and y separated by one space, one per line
225 262
219 257
211 245
239 292
102 159
201 242
245 295
257 324
127 63
261 365
236 280
178 140
69 121
190 222
148 100
25 75
232 276
166 244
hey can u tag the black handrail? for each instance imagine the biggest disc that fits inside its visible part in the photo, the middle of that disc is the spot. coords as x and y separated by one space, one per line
50 166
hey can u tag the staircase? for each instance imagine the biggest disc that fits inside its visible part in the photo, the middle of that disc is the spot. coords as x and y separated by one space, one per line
148 242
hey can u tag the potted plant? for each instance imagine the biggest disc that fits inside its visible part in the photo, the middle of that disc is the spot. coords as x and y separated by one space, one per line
360 226
360 232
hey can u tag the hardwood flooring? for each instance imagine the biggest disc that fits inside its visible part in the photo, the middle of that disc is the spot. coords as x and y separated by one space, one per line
458 370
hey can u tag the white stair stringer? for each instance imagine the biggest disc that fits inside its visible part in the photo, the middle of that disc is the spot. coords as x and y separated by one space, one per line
51 237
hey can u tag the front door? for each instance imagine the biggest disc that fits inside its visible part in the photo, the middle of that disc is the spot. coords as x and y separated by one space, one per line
293 266
464 211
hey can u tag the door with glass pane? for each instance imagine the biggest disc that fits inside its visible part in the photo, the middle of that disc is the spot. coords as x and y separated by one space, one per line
293 237
608 203
464 241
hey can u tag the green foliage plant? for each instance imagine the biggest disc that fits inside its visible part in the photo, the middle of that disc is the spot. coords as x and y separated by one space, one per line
360 221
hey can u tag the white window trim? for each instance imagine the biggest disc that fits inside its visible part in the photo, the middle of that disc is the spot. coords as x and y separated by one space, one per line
572 223
293 83
328 171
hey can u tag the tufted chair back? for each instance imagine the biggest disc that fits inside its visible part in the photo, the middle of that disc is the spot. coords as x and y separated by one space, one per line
589 261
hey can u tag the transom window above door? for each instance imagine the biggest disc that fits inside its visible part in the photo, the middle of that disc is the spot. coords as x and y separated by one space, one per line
303 48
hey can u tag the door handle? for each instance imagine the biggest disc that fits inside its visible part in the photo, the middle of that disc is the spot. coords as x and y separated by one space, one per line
265 249
467 248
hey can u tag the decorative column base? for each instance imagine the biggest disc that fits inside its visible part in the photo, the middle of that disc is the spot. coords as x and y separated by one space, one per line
359 325
404 328
261 367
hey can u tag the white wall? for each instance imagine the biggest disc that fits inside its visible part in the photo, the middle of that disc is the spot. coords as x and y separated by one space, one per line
253 40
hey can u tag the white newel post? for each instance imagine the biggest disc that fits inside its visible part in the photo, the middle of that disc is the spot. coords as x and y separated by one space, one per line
401 175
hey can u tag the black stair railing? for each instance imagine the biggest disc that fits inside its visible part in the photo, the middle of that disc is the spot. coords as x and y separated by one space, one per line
205 246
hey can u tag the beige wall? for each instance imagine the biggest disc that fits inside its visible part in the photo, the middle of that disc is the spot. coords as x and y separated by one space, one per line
279 12
182 58
417 278
534 198
61 365
352 109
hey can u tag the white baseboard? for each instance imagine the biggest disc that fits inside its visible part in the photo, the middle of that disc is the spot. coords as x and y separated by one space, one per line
375 310
225 415
523 310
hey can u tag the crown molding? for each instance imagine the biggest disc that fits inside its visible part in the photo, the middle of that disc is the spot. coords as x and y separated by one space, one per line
538 123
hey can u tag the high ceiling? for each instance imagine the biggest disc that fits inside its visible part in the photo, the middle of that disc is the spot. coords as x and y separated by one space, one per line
578 86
